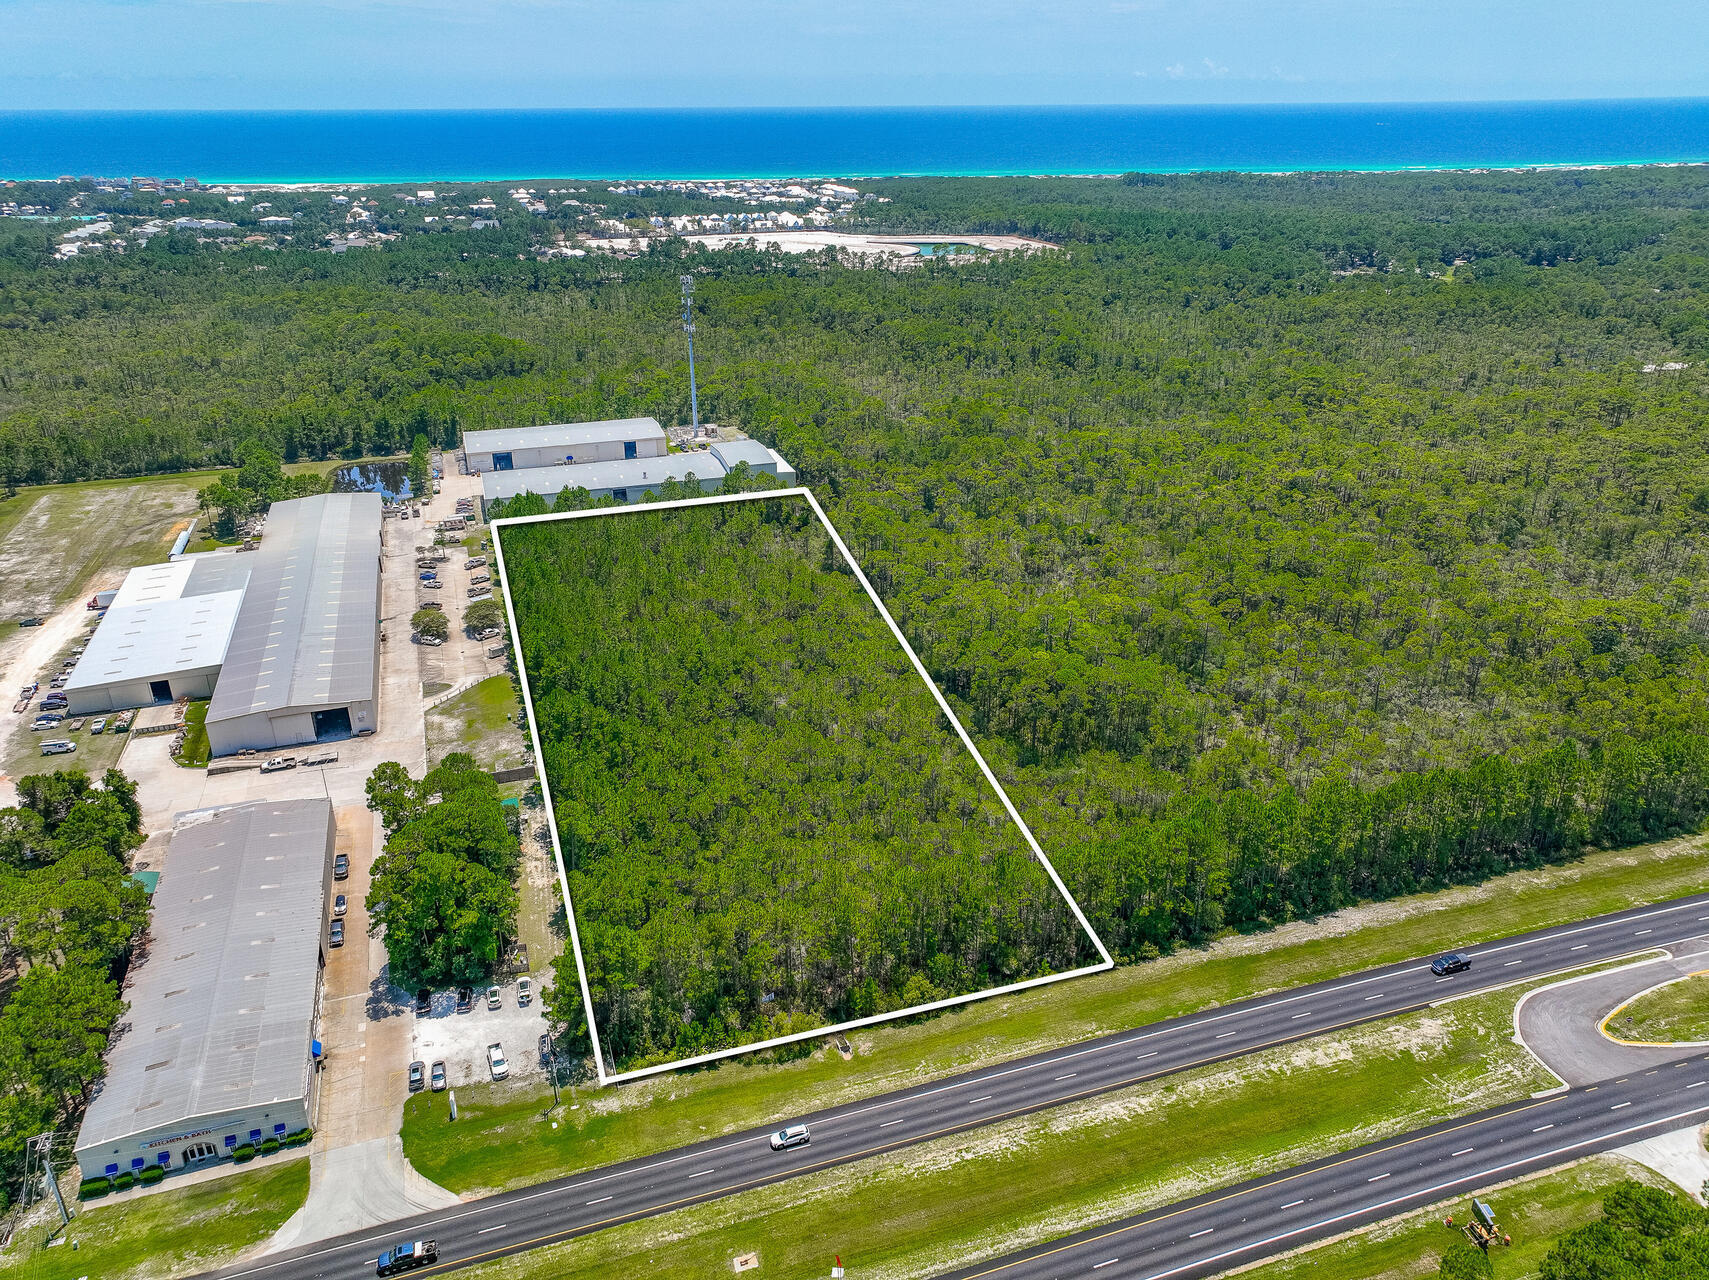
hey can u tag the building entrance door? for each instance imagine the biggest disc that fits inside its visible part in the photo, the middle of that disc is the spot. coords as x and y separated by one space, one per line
197 1152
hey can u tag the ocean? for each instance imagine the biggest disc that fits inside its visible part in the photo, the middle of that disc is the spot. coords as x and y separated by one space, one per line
355 146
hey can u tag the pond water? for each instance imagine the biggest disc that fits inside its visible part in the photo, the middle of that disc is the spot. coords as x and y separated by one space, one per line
939 250
388 479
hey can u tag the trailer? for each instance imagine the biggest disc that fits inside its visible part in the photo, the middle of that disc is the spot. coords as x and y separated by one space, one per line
406 1255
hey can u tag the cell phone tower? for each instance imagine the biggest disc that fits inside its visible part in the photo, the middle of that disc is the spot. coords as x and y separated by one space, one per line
688 328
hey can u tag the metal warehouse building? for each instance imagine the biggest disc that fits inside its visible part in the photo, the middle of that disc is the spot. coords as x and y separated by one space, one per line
563 444
638 479
164 636
303 662
217 1049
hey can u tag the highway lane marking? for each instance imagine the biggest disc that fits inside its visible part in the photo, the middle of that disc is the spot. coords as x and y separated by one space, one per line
1541 1127
501 1226
1205 1232
1069 1076
1142 1057
1463 1151
986 1098
1292 1177
1641 932
1226 1034
1511 963
480 1208
1378 996
1698 1085
702 1173
888 1123
1378 1178
1581 946
1107 1262
1618 1105
1341 1217
1298 1016
601 1200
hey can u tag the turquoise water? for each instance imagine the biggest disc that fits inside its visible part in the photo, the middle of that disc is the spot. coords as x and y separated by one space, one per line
331 146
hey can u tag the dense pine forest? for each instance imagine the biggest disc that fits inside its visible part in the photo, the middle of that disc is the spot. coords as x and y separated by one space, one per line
1285 541
767 823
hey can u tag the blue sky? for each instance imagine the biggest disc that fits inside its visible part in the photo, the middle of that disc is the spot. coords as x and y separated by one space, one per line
567 53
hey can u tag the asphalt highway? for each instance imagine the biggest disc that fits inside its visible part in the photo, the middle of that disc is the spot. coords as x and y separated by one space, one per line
556 1211
1232 1227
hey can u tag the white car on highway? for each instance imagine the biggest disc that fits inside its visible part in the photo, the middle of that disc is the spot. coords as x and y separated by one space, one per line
794 1136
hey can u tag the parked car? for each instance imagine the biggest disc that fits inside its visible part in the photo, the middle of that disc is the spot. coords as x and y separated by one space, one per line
431 641
479 562
427 575
524 992
423 1003
496 1062
341 867
434 605
29 622
58 747
433 586
1453 962
100 725
49 721
335 934
55 702
489 633
279 763
495 997
794 1136
417 1076
480 577
438 1077
465 999
340 905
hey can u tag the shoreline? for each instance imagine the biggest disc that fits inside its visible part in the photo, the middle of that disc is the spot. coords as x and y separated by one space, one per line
1472 167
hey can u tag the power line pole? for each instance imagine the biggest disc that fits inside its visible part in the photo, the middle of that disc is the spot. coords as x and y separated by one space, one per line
41 1147
688 328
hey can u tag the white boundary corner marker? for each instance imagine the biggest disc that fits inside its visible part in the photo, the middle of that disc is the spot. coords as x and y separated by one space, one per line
1105 961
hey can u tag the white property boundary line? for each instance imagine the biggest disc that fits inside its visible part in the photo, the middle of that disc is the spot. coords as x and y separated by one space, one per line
1106 962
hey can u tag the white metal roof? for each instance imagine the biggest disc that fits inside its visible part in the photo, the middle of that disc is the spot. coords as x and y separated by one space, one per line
155 640
561 435
196 575
222 1000
306 635
598 477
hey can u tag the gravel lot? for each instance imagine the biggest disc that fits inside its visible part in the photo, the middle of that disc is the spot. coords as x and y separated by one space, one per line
461 1039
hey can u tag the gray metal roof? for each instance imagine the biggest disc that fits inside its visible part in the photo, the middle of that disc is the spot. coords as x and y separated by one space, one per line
752 452
557 435
306 634
598 477
222 1004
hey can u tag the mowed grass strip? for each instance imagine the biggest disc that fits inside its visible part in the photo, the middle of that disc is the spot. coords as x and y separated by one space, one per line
1675 1014
503 1139
1535 1212
954 1201
196 1228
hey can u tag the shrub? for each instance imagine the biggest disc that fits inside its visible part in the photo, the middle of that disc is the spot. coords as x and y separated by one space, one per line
299 1137
269 1146
243 1154
93 1188
123 1181
152 1176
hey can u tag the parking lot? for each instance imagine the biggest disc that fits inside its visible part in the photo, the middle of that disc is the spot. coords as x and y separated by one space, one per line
461 1039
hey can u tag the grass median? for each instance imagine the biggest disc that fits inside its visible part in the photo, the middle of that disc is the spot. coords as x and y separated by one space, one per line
169 1232
1675 1014
949 1203
503 1138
